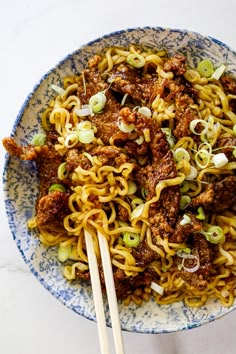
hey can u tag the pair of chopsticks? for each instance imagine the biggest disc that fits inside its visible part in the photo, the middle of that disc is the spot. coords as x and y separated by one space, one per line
97 294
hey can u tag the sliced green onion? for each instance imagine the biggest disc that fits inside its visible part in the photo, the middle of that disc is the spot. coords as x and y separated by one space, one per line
56 187
214 234
157 288
62 172
184 187
202 158
86 136
205 68
144 192
137 211
192 174
84 125
84 111
136 60
185 200
220 160
132 187
126 128
145 111
131 239
97 102
139 140
181 154
58 89
124 99
218 72
185 220
201 214
39 139
64 252
183 251
195 122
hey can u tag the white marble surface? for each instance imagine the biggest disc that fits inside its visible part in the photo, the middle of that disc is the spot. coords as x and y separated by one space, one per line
35 35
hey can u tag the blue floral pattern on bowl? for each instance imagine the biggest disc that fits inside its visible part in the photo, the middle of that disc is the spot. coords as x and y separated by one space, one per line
20 184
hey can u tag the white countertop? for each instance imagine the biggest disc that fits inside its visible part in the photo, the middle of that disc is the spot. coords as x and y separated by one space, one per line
34 36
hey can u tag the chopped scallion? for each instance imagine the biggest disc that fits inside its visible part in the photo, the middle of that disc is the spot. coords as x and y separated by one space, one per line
220 160
131 239
64 252
181 154
201 214
185 200
214 234
97 102
185 220
56 187
136 60
205 68
38 139
62 172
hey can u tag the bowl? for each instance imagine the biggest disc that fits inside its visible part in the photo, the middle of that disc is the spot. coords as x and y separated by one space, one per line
20 184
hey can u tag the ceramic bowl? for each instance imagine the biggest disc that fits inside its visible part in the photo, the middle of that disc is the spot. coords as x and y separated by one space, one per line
21 187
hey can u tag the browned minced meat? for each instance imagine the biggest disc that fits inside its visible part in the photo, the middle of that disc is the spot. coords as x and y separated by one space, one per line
128 80
229 86
183 116
163 214
182 232
143 254
126 285
229 144
52 208
46 158
75 158
176 64
218 196
122 213
105 121
149 176
199 278
110 155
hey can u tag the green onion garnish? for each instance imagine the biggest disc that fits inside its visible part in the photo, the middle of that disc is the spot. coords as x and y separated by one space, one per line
201 214
185 200
62 172
131 239
63 252
205 68
97 102
214 234
39 139
56 187
136 60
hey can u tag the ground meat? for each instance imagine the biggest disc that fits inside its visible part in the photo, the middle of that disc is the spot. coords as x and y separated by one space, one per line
184 115
122 213
52 208
218 196
205 198
46 158
159 225
74 159
149 176
229 144
199 278
126 285
229 84
128 80
176 64
143 254
110 155
182 232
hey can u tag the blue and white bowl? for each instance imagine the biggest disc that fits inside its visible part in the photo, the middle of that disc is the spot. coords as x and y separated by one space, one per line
21 186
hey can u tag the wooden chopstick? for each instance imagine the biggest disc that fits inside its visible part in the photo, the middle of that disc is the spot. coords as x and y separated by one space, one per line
97 293
111 293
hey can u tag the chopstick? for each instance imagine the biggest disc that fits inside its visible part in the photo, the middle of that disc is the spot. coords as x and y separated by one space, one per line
97 294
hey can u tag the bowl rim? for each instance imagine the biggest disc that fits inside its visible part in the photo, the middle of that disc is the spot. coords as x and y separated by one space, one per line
7 161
